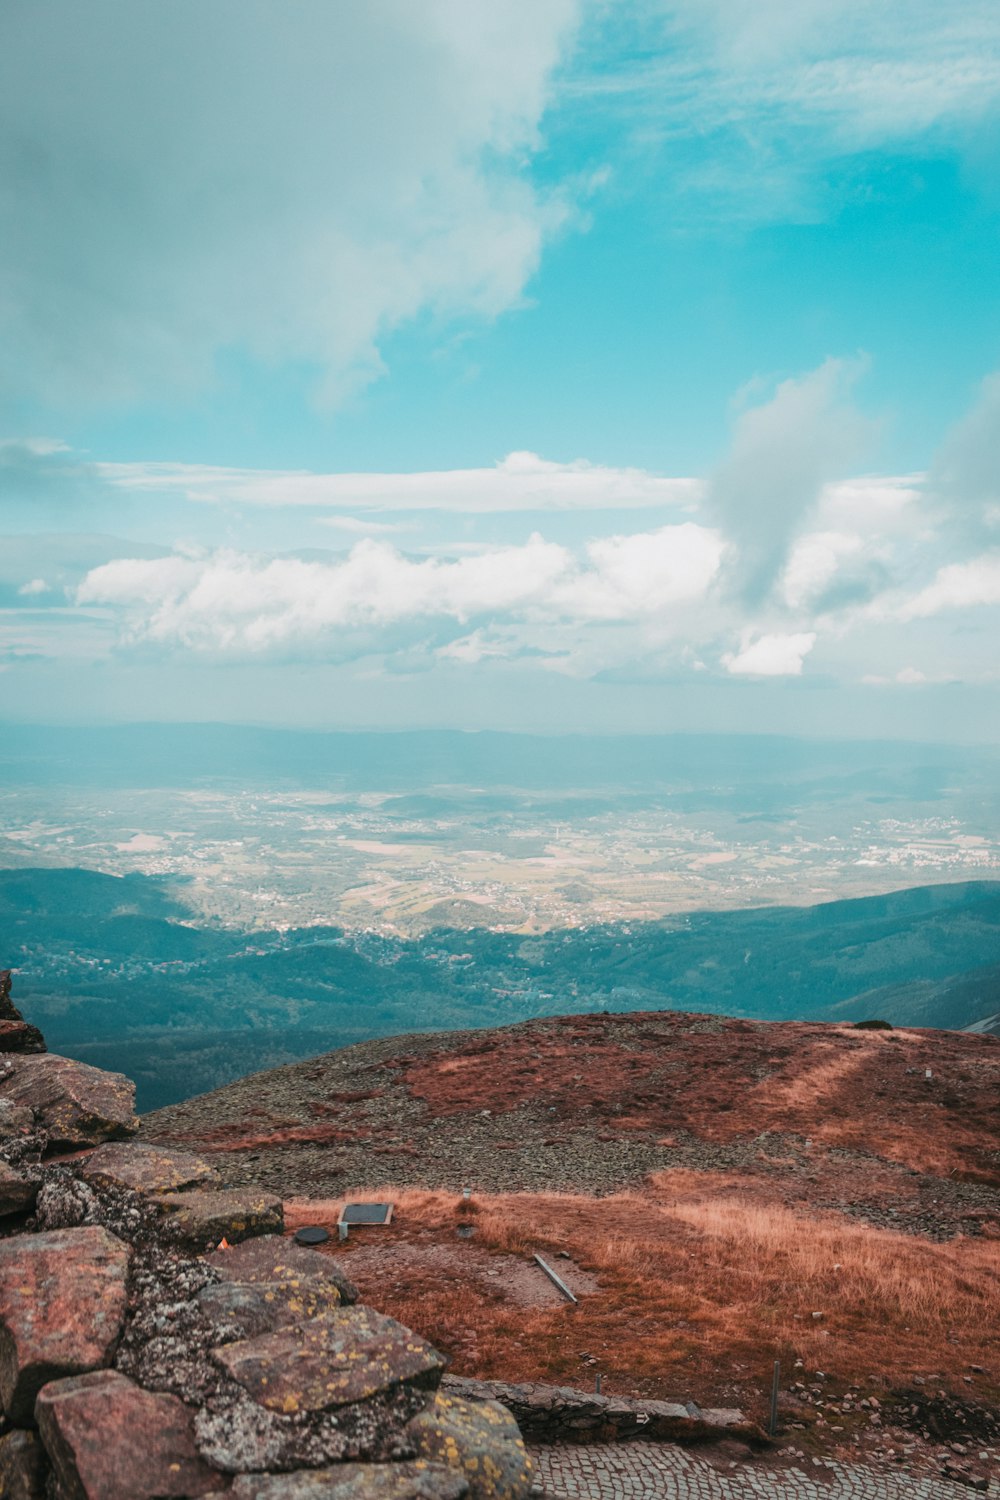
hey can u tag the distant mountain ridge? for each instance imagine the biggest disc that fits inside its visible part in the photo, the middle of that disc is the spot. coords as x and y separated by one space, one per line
119 976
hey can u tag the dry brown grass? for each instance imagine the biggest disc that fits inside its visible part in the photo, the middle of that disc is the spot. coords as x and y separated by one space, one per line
701 1286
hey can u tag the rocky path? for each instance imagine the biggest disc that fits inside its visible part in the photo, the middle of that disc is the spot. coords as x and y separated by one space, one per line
661 1471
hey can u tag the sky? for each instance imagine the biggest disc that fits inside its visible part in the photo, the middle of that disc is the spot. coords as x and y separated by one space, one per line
565 365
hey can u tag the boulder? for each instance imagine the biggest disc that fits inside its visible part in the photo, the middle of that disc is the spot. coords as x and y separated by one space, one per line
17 1192
62 1306
244 1309
400 1481
22 1466
479 1439
75 1104
15 1119
342 1357
200 1218
16 1035
146 1169
273 1258
108 1439
19 1036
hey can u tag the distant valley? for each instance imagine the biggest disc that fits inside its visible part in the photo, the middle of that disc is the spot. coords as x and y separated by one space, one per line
115 972
192 903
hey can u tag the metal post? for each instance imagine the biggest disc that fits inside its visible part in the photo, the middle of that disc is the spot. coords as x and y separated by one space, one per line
597 1384
556 1280
775 1381
342 1230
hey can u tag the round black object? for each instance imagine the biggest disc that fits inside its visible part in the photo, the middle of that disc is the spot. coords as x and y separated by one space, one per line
311 1234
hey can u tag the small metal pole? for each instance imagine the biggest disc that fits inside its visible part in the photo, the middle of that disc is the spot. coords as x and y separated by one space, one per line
342 1230
557 1281
597 1384
775 1380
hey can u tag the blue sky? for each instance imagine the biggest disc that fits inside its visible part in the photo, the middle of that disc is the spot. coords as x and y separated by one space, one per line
557 365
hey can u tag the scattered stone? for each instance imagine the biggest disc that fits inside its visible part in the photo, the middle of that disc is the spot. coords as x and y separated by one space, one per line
110 1440
342 1357
22 1466
272 1258
478 1439
147 1169
62 1305
201 1218
401 1481
75 1104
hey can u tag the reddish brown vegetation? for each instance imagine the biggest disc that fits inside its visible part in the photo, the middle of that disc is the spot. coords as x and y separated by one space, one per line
701 1285
721 1080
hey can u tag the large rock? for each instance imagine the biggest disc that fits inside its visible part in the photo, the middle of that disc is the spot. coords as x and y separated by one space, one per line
201 1218
110 1440
342 1357
244 1309
273 1258
480 1439
402 1481
16 1035
146 1169
17 1192
62 1306
22 1466
75 1104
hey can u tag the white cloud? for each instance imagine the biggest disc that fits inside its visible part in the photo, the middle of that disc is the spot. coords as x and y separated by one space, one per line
230 601
521 481
770 655
292 182
958 586
871 503
813 564
34 586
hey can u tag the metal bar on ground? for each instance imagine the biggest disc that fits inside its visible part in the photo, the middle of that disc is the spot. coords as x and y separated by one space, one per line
772 1427
556 1281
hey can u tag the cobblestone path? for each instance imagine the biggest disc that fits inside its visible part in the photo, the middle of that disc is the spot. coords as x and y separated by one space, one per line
659 1471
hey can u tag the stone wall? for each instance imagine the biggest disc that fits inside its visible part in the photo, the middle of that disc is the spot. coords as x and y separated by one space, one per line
160 1338
559 1414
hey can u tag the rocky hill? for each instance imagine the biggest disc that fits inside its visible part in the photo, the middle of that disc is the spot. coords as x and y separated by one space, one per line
718 1193
899 1126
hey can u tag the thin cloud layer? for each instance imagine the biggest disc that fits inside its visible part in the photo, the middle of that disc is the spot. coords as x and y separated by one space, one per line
521 481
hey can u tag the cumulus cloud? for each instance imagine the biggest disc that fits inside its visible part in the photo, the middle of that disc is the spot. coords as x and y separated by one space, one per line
233 602
521 481
963 585
783 452
177 180
770 655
